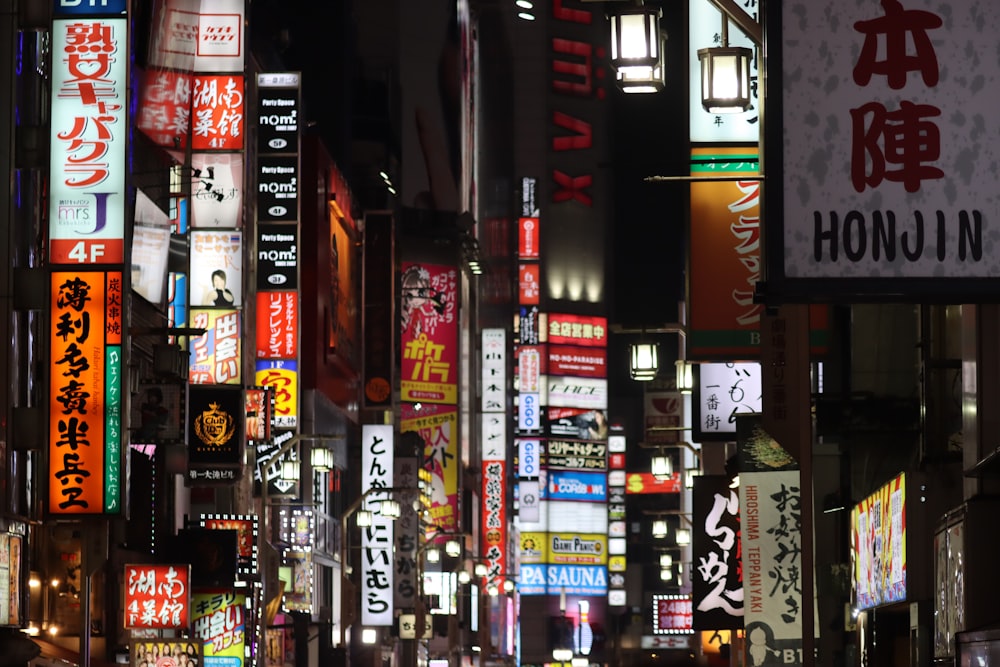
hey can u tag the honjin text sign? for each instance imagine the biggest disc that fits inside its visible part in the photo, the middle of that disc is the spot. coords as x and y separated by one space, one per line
890 141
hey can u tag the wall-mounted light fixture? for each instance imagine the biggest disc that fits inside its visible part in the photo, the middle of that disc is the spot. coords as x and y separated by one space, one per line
321 459
661 466
659 528
290 470
637 48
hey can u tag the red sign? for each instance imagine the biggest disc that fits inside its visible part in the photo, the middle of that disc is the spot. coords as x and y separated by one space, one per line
217 112
164 107
616 461
527 238
277 325
578 361
494 521
644 482
577 330
157 597
529 284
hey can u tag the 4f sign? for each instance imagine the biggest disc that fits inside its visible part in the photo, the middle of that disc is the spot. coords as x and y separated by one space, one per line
91 7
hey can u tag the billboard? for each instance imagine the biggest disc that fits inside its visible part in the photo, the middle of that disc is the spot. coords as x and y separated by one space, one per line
878 546
215 355
717 575
89 121
219 620
85 386
429 333
437 428
157 597
889 189
277 325
721 391
215 433
216 277
377 540
218 112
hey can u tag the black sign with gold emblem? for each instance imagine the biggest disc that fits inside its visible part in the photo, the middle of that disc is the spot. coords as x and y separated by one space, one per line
215 428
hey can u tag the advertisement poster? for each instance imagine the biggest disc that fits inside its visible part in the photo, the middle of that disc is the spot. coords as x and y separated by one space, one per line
721 391
577 423
166 653
219 621
437 427
277 325
282 377
429 333
215 355
878 541
216 268
219 40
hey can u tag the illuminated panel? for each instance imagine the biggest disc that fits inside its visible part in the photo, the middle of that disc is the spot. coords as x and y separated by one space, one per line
87 147
157 597
672 615
84 475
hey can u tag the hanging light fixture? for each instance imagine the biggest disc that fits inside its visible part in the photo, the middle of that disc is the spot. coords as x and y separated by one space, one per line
683 537
660 528
725 75
453 548
390 509
666 560
364 518
643 361
433 555
321 459
637 49
685 376
666 574
290 470
464 577
661 466
481 569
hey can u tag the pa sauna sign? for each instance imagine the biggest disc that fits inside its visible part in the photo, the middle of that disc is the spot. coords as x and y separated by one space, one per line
890 147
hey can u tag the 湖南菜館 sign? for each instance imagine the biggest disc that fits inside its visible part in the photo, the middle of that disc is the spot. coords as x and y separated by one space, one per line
889 146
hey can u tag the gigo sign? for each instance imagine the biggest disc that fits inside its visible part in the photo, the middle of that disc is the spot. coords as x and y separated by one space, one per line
527 413
527 459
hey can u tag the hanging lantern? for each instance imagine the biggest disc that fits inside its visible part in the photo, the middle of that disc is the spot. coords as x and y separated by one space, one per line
637 49
685 376
643 361
661 466
725 76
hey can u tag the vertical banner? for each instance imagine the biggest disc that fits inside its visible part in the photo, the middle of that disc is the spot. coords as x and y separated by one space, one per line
87 147
716 577
377 444
772 566
85 387
437 427
406 529
429 333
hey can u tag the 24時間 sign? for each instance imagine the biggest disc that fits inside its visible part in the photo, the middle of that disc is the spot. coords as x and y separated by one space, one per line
87 146
84 475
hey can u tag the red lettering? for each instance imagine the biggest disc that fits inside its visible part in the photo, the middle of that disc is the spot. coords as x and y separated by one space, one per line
583 138
572 187
577 67
561 13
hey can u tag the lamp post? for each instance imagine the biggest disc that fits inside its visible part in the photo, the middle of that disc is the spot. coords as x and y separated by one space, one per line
345 579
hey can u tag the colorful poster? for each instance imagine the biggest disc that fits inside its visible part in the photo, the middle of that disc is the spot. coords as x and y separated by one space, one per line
165 653
429 333
878 545
282 377
219 621
437 427
581 486
772 575
215 355
216 269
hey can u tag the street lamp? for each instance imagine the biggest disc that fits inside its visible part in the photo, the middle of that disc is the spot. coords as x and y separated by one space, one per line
725 75
637 49
347 592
